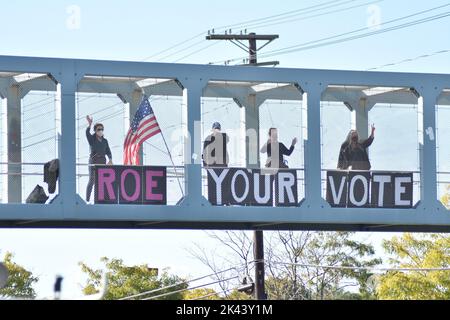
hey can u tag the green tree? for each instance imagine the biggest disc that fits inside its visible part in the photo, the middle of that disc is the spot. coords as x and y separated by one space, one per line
124 281
201 294
419 251
20 281
445 199
305 265
294 263
237 295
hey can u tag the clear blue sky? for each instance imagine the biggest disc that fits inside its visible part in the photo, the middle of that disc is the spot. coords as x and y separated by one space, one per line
134 30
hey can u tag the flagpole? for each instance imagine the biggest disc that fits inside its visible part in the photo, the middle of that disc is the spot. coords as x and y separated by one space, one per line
171 159
167 147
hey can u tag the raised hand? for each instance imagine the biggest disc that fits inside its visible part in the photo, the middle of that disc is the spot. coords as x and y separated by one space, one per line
89 120
294 141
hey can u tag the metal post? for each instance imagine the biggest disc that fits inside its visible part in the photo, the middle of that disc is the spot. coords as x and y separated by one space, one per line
252 49
252 121
258 236
362 118
252 160
258 251
133 99
14 144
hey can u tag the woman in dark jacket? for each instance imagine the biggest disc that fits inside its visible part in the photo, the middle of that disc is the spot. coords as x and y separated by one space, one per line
276 150
353 152
99 150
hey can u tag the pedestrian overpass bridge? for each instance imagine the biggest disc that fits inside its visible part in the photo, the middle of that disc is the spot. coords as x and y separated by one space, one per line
49 97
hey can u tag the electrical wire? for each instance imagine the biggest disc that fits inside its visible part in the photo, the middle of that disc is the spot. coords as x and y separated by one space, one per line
297 11
289 19
409 60
325 41
197 51
193 288
184 282
398 27
249 23
214 294
375 269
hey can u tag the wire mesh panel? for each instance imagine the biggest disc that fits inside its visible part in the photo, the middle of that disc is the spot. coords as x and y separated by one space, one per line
336 122
167 147
245 112
111 104
3 152
30 131
40 136
226 112
288 116
110 111
443 147
398 133
396 117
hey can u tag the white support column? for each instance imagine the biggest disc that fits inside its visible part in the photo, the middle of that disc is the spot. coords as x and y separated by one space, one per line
67 148
4 149
14 129
192 95
58 116
133 99
428 102
313 170
361 114
250 134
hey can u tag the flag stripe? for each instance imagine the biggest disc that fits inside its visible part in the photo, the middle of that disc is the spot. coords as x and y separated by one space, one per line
143 126
142 131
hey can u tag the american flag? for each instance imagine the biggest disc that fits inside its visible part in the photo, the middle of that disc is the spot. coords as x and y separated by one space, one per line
143 127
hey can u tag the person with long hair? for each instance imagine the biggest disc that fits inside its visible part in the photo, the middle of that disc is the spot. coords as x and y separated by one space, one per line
276 150
353 153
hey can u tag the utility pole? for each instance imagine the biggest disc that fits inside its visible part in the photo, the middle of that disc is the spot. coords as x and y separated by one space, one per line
258 235
251 48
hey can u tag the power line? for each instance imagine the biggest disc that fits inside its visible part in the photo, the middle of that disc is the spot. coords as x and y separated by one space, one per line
183 282
181 50
381 269
322 42
197 51
297 11
175 46
409 59
215 294
248 23
290 18
38 134
402 26
104 109
38 142
193 288
37 102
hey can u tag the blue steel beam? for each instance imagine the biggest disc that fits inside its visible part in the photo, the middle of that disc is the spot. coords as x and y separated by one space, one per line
314 212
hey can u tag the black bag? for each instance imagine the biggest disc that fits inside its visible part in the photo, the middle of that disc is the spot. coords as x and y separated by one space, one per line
38 195
51 174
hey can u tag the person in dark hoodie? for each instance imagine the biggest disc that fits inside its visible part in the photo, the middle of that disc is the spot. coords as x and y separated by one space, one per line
353 152
99 150
215 152
276 150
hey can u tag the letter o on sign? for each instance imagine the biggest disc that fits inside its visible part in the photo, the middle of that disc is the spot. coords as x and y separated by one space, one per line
352 191
137 190
233 186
